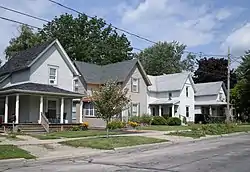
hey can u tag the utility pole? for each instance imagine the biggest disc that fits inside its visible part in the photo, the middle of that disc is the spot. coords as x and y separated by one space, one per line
228 115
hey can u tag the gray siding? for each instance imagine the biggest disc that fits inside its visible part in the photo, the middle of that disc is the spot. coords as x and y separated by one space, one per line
141 96
34 109
40 70
21 76
24 106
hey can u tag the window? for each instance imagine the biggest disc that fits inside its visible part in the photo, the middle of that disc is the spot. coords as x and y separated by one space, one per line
135 85
52 76
187 111
76 85
88 109
135 108
187 92
170 95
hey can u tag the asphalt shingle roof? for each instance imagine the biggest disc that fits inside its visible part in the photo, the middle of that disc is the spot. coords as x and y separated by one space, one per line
96 74
209 88
169 82
39 88
22 59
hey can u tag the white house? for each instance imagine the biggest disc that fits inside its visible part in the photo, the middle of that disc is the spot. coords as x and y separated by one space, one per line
172 95
210 100
36 85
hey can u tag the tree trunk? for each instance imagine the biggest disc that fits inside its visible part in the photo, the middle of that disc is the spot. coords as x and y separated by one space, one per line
107 129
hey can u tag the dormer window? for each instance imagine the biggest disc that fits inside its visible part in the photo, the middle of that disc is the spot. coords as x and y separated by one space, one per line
53 75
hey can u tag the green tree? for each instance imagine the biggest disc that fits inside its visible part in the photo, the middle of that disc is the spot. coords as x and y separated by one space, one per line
109 101
165 57
26 39
212 70
84 39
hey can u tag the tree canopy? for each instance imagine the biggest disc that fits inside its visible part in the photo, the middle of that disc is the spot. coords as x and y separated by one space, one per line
166 58
110 100
89 40
240 94
212 70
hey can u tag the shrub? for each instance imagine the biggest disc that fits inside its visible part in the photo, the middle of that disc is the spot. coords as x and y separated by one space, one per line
159 120
133 124
184 120
135 119
173 121
145 119
85 125
113 125
75 128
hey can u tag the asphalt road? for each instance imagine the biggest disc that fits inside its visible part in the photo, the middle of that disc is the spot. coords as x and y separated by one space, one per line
227 154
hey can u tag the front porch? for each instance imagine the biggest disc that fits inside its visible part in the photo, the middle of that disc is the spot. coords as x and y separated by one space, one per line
164 108
54 105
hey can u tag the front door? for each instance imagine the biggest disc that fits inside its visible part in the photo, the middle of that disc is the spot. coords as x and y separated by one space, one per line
51 109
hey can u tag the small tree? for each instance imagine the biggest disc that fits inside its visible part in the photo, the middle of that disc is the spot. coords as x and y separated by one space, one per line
109 101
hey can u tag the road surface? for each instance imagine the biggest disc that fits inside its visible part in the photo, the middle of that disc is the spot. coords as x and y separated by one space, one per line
227 154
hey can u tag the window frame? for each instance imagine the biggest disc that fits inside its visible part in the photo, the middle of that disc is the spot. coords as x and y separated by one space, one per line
74 109
76 85
187 111
56 75
170 95
135 113
137 85
187 91
91 109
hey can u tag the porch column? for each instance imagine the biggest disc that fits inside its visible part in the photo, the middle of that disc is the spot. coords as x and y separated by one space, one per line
62 110
81 110
173 111
41 108
6 109
210 110
17 108
159 110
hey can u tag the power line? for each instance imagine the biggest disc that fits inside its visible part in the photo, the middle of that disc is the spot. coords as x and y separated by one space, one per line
15 21
122 30
25 14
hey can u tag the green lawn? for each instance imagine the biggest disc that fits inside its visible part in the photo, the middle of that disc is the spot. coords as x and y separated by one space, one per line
74 134
112 142
192 134
164 128
11 151
242 128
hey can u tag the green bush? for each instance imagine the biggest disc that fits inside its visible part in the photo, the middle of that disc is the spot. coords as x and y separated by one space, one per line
135 119
113 125
214 129
184 120
173 121
145 119
75 128
159 120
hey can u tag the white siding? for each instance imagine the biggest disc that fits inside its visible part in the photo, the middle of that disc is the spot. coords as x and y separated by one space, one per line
223 95
206 98
40 70
187 101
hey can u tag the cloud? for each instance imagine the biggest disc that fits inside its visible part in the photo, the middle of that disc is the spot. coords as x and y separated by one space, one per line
238 40
167 20
8 30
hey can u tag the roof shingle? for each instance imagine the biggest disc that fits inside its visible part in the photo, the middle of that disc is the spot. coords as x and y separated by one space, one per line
208 88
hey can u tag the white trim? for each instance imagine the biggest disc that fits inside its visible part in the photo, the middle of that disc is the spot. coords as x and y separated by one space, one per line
81 112
137 107
62 111
56 75
17 109
6 109
159 110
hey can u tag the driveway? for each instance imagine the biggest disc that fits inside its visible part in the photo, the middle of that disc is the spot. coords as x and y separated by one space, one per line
226 154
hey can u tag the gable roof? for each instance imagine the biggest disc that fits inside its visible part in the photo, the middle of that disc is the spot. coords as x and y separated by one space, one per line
169 82
209 88
24 59
96 74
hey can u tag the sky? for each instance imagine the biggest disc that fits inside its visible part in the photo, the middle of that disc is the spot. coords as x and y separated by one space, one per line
207 26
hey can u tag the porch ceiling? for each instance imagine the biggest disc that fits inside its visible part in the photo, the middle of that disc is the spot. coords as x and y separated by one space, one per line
41 89
164 102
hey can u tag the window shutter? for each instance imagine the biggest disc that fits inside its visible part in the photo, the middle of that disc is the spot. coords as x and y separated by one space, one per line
131 84
138 110
138 85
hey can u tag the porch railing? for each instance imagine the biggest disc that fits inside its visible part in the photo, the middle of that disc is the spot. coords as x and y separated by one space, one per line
45 122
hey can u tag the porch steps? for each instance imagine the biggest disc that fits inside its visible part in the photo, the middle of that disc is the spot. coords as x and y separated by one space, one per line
31 128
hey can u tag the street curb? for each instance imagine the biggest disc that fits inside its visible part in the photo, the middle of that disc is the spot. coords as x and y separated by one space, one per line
129 149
